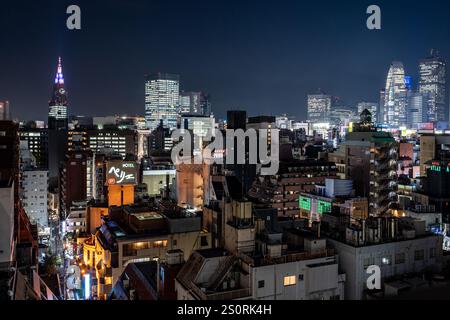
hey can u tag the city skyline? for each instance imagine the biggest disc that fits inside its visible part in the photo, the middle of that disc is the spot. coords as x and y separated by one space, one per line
276 68
223 151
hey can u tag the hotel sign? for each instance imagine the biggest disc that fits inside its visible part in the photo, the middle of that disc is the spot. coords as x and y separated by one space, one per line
121 173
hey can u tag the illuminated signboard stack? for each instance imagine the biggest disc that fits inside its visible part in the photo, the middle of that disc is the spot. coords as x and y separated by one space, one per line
121 177
313 207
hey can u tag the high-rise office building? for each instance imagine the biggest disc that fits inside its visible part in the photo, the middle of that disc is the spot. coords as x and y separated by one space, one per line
408 83
319 107
418 105
4 111
37 141
433 80
188 102
121 141
57 107
394 110
197 103
162 100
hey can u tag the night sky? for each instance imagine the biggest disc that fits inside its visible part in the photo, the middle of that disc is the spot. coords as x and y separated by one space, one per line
261 56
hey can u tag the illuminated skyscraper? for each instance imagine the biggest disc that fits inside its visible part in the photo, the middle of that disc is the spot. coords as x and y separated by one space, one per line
380 115
394 110
433 77
418 104
319 107
57 108
57 123
162 100
197 103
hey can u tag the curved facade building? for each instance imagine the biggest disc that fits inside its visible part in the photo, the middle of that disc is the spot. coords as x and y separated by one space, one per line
394 110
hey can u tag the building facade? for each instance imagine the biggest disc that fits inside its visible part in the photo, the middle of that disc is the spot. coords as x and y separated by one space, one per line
433 81
394 109
162 100
34 196
319 107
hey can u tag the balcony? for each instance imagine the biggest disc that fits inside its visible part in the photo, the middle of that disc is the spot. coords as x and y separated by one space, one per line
287 258
225 295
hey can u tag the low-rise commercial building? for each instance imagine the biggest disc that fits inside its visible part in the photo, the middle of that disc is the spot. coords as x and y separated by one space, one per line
138 234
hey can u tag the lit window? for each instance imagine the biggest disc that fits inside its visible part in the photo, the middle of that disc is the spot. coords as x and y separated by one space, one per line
289 281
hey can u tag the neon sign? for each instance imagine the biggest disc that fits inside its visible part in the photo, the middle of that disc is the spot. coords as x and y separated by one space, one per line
305 203
121 173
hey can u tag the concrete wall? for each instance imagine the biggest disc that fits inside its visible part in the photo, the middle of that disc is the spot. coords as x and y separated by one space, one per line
314 279
354 261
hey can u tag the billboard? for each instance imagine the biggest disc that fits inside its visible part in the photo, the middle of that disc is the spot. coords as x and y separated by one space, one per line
305 203
121 173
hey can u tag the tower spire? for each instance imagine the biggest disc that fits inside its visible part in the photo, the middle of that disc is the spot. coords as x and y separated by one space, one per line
59 79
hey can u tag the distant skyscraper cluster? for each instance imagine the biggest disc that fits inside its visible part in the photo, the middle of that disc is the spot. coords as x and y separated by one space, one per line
165 102
403 102
402 105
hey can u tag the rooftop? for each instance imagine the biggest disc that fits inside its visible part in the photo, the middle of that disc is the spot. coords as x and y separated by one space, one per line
148 215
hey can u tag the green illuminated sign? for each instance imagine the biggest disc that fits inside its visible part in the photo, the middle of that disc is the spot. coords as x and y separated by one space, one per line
323 207
305 203
436 168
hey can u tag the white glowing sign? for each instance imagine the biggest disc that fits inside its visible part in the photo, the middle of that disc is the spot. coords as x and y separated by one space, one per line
121 173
